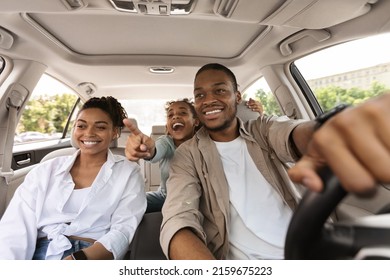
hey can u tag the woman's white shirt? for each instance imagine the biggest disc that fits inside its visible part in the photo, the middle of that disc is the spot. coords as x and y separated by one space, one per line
110 213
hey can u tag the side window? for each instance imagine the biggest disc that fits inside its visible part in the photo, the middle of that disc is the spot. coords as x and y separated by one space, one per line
260 91
46 113
348 73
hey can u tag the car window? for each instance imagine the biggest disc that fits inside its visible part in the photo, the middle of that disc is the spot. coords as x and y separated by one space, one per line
348 73
260 91
46 113
146 112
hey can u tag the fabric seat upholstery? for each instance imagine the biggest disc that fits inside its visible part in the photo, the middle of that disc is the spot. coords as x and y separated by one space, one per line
146 242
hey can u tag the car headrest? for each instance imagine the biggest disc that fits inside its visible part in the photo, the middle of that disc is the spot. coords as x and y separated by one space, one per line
158 129
121 141
244 113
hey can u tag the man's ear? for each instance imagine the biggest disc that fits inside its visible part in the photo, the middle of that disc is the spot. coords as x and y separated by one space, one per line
238 97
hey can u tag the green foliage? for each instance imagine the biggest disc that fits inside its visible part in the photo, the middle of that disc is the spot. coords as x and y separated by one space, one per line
331 96
47 114
268 100
328 97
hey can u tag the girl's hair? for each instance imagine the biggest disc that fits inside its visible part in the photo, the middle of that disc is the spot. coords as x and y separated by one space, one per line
219 67
185 100
109 105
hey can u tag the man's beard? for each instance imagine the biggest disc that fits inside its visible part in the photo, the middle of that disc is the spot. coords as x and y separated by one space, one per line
225 124
221 127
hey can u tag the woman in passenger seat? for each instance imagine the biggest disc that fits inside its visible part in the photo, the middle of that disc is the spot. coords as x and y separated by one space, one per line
84 206
182 123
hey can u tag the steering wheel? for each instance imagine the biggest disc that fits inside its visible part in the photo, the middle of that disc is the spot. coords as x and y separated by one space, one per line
312 236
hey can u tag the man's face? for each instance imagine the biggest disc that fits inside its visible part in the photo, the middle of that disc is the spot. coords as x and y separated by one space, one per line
215 100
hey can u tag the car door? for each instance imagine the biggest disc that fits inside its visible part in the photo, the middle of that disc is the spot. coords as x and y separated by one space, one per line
24 115
44 124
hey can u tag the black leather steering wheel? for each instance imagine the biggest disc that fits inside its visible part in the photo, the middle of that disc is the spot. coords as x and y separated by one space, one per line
311 236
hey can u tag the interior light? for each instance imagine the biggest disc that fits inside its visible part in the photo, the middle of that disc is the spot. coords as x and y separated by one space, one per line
154 7
161 69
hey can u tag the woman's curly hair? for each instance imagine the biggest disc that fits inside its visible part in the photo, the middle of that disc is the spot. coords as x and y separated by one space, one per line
111 106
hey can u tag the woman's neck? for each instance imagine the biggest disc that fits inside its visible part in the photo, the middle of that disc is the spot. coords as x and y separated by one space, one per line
91 160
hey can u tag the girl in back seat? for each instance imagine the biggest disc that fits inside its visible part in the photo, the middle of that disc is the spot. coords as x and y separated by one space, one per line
84 206
181 125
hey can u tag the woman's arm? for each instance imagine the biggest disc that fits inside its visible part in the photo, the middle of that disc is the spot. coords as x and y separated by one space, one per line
18 228
128 213
95 252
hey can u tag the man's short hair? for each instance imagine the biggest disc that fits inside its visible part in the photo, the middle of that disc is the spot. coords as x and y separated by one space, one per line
219 67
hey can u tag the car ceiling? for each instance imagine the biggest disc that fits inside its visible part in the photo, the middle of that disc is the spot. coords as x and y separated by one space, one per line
98 49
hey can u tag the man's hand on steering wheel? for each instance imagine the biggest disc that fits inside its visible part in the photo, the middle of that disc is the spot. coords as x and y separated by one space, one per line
355 144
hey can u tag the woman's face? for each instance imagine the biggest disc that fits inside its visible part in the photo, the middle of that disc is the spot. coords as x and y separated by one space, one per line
94 131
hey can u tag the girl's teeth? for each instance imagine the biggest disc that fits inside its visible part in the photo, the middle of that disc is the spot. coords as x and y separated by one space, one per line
177 124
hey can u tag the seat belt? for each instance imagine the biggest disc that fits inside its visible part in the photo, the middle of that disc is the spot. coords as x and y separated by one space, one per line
14 102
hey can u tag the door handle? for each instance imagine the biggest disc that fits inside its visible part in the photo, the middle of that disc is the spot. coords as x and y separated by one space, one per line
23 162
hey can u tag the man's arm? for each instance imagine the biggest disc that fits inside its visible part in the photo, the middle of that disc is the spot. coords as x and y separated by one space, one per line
185 245
302 135
181 229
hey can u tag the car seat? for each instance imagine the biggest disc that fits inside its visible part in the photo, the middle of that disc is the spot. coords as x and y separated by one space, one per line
146 242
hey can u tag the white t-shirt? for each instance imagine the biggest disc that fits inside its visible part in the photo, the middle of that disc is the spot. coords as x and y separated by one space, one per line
259 217
76 199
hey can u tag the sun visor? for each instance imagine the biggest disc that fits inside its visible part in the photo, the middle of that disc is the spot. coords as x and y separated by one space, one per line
307 14
319 14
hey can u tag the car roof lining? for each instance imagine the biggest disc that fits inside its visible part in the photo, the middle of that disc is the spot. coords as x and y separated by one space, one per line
248 29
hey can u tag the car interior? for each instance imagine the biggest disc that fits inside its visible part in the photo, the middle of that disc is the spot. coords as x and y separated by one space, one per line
146 52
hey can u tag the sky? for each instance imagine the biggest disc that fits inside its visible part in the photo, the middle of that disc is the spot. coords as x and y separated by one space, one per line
367 52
